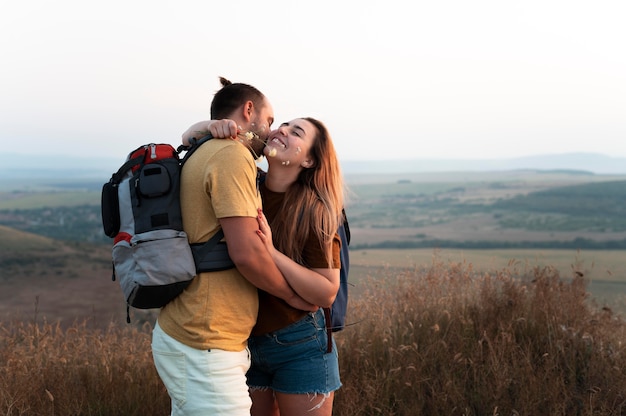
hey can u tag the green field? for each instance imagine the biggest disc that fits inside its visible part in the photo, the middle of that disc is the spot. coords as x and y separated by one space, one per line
604 270
606 265
17 200
571 221
469 210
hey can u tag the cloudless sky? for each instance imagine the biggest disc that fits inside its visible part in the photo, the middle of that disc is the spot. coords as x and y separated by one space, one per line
391 79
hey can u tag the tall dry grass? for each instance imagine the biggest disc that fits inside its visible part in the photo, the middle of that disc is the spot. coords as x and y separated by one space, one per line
48 370
446 341
437 341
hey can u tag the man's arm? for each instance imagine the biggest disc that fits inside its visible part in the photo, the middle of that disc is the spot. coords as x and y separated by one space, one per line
255 263
218 128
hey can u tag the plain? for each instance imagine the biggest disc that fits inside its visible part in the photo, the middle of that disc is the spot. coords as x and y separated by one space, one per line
53 245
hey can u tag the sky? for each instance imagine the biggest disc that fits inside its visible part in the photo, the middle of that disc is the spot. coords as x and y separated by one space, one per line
392 79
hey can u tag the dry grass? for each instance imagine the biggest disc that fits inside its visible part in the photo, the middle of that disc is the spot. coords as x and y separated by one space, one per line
436 340
448 341
46 370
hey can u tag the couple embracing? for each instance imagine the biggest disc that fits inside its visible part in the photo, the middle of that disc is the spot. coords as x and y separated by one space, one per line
253 339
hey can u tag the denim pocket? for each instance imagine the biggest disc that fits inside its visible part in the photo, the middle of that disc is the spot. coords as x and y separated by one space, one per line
305 331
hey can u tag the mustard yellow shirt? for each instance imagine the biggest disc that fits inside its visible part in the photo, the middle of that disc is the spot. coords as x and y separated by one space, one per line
218 309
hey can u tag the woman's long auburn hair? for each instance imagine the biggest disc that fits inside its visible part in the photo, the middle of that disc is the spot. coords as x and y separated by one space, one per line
314 202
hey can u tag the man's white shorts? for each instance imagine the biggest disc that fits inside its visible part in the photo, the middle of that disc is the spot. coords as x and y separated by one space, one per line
202 382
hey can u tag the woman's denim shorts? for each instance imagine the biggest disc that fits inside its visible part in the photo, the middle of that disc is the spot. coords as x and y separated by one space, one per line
293 360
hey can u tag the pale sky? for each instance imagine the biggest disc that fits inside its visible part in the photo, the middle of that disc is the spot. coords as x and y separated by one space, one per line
391 79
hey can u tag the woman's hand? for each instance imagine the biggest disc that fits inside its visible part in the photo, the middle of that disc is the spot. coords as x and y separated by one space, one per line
318 286
265 233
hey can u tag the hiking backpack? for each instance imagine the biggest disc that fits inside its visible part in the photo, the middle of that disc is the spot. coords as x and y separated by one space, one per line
152 258
339 307
335 316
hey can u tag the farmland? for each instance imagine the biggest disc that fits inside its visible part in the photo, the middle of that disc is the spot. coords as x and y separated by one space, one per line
52 241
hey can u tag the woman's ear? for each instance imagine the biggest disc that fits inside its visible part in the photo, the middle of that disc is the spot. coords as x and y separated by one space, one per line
307 164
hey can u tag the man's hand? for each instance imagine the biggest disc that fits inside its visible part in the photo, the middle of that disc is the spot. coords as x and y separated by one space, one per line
220 129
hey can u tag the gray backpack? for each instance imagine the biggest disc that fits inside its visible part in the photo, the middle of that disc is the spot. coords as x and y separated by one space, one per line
152 258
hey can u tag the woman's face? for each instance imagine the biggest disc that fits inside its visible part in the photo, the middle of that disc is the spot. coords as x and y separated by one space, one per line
289 144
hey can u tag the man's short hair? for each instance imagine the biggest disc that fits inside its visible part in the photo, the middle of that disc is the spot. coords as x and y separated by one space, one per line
232 96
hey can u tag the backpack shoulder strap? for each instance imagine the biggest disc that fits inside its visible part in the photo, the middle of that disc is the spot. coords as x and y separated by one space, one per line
344 234
129 164
194 144
346 227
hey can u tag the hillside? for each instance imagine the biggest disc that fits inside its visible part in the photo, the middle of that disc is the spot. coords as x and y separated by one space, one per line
49 279
15 242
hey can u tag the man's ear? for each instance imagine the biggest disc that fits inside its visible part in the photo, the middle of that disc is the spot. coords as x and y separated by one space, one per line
246 110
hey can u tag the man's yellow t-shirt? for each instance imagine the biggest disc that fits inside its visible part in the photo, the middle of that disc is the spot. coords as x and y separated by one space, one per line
218 309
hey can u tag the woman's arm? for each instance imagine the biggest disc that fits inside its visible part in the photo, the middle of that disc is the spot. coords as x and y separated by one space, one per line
318 286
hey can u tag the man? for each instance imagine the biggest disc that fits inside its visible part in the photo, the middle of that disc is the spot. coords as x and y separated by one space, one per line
199 343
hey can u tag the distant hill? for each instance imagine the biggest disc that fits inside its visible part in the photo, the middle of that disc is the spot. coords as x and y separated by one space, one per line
57 280
14 166
584 162
16 241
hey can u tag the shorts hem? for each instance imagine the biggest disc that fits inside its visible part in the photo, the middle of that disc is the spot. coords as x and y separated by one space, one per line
266 388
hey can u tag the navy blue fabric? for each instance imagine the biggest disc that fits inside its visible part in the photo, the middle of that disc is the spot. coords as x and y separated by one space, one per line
339 308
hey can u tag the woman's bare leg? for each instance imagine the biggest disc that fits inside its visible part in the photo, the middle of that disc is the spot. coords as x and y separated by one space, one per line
305 404
264 403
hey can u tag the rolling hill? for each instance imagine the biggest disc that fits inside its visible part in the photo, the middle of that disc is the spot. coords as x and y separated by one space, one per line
43 278
18 167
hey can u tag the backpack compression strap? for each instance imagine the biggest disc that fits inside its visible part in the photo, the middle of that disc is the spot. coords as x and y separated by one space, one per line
212 255
329 330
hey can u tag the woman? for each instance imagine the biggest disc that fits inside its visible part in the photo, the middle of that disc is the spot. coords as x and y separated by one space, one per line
292 373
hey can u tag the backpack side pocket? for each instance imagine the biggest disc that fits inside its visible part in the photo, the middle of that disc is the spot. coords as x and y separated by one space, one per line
124 267
110 207
164 266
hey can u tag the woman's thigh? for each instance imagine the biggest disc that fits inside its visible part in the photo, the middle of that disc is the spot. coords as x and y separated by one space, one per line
313 404
264 403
